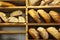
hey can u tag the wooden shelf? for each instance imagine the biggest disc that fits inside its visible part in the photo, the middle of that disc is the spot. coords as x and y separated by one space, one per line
13 7
12 24
44 24
12 32
43 7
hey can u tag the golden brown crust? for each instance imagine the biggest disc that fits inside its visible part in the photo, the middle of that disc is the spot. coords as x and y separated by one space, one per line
43 33
33 33
34 15
45 15
6 4
54 32
55 16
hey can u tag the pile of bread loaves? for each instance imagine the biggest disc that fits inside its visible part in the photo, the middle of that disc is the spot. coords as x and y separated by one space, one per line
44 2
55 16
44 33
15 16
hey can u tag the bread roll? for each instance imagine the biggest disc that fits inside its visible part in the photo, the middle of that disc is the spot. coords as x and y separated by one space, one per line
34 2
43 33
54 32
55 16
34 33
34 15
16 13
21 19
13 19
44 15
6 4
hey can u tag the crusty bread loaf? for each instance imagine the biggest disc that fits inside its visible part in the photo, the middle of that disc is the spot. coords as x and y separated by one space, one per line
55 16
12 19
34 2
21 19
16 13
33 33
3 17
44 15
6 4
34 15
54 32
43 33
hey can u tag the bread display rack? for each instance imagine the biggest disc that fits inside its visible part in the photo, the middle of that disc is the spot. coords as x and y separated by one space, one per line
28 20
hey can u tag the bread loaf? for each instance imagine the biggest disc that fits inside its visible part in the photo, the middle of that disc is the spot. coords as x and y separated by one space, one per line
34 2
13 19
3 17
34 15
55 16
6 4
16 13
21 19
54 32
43 33
44 15
34 33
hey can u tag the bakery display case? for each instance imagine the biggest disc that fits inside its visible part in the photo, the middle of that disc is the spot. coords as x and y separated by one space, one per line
30 20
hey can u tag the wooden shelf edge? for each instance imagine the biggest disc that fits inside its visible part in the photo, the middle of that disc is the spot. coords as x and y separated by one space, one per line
43 23
14 7
12 24
12 32
43 7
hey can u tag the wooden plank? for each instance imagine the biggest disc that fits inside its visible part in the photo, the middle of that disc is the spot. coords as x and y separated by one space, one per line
12 24
44 24
13 7
12 32
43 7
26 20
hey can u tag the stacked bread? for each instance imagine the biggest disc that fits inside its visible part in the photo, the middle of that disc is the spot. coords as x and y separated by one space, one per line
44 15
15 16
44 2
44 33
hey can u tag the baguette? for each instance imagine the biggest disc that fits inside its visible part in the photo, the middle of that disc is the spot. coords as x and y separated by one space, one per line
34 15
54 32
55 16
43 33
16 13
33 33
44 15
